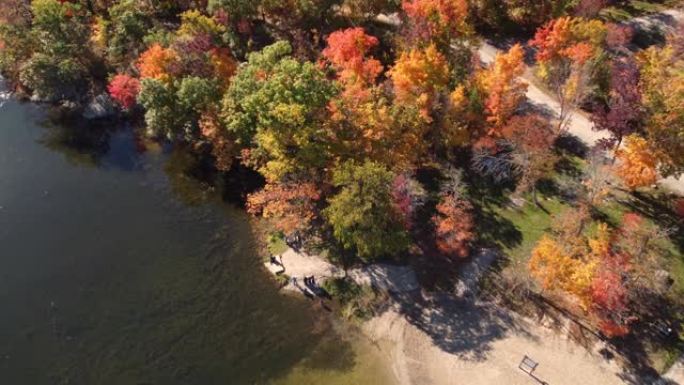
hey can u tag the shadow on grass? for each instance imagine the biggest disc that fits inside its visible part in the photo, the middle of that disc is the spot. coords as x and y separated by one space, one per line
656 207
571 145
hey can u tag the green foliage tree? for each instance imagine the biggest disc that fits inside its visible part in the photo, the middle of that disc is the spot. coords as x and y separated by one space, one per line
55 67
196 94
237 9
277 105
173 109
362 214
53 78
161 112
125 30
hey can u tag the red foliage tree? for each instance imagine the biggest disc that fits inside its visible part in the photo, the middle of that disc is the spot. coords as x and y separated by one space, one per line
679 207
124 89
618 36
622 114
609 301
347 50
406 197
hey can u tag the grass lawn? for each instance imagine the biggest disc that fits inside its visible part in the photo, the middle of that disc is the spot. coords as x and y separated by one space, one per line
516 231
531 222
626 10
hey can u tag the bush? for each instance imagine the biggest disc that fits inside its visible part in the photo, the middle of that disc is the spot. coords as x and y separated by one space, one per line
358 302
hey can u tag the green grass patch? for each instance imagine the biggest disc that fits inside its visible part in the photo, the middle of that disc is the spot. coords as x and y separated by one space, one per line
531 222
624 11
276 243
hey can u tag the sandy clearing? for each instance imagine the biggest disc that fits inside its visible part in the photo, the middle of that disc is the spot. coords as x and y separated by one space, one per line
489 353
448 339
676 372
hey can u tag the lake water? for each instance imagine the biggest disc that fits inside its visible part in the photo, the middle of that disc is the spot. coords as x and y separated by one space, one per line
117 267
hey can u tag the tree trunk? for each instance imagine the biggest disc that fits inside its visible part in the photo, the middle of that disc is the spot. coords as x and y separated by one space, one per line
615 150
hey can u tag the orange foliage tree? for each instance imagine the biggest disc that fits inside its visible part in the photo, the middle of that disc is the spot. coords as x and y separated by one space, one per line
503 88
156 62
637 165
437 19
224 65
418 76
290 205
454 226
532 139
223 147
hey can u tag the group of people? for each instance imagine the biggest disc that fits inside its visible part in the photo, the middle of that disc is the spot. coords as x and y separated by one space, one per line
310 282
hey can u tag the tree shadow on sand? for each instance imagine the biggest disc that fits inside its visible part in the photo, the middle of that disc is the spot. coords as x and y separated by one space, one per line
459 326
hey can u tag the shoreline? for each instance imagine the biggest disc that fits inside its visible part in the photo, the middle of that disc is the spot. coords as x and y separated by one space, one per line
453 338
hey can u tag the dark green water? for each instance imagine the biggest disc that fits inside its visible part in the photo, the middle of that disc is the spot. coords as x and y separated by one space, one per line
117 268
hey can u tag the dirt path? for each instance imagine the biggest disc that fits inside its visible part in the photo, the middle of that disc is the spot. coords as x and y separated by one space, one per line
390 278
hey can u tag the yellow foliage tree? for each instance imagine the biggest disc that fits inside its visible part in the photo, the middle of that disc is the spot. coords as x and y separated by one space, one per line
552 265
193 23
662 84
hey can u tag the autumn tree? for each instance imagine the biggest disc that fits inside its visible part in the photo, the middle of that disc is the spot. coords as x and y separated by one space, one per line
533 157
622 113
124 89
454 226
418 76
367 125
569 53
609 300
276 105
637 165
156 63
407 196
223 146
362 213
437 20
291 205
662 85
502 89
16 43
552 265
348 50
